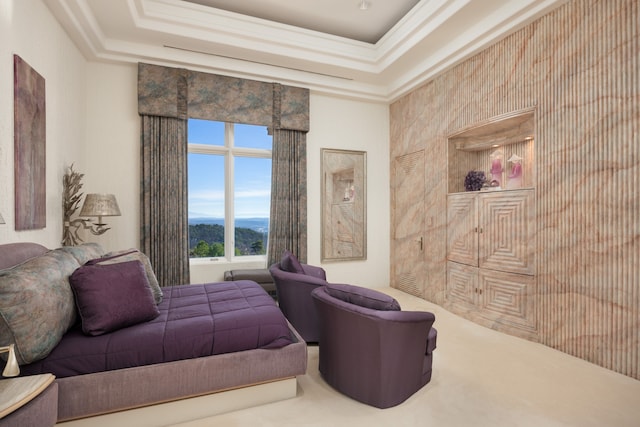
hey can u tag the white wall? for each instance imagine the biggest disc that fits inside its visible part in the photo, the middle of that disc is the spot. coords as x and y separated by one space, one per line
28 29
352 125
113 148
114 158
92 122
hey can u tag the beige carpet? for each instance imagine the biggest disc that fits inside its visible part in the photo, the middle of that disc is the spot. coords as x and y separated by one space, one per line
480 378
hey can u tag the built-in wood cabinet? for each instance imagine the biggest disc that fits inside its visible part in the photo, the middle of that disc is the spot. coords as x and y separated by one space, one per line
491 244
492 230
496 299
491 258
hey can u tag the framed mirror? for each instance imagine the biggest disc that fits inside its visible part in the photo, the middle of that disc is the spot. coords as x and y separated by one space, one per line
344 205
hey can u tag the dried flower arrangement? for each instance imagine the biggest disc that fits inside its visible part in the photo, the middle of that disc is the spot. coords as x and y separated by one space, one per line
474 180
71 196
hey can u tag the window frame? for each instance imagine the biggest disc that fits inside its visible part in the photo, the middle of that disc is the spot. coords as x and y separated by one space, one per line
229 151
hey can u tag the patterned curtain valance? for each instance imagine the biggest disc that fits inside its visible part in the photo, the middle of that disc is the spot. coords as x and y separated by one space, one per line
162 91
180 93
293 107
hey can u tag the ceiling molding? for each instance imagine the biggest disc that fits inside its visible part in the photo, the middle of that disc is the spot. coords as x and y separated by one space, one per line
431 37
469 42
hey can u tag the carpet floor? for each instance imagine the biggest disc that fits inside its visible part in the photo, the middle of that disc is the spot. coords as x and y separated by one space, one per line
480 378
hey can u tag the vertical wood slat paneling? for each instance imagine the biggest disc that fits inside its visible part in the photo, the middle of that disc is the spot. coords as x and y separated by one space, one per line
579 67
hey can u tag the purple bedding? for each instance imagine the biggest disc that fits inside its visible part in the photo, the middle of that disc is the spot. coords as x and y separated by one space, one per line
194 321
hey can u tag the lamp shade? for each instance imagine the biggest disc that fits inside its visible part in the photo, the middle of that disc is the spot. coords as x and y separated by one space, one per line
1 219
100 205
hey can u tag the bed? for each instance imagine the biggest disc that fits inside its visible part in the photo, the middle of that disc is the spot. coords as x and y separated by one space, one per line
204 338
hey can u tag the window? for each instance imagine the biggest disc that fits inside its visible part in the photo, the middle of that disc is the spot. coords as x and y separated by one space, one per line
229 189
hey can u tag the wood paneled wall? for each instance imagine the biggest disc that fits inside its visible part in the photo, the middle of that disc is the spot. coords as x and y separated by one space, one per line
579 67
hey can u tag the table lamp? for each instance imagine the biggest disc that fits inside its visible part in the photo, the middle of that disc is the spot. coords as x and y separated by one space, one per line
12 369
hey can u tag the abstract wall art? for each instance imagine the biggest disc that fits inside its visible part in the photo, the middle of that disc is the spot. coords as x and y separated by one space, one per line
344 205
29 146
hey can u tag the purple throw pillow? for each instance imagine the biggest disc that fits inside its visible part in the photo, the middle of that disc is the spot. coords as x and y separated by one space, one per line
112 296
363 297
290 263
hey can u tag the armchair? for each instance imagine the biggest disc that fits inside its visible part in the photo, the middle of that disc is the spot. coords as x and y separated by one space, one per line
370 350
294 283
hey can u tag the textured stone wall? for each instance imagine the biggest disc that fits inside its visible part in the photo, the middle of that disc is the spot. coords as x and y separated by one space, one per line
579 67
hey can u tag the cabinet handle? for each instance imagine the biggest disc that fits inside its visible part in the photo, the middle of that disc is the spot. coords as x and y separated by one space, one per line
481 230
421 241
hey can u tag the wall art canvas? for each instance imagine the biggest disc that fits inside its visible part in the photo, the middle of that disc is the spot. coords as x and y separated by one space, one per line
344 205
29 146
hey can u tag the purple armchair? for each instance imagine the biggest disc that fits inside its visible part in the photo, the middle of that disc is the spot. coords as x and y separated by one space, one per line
294 283
369 349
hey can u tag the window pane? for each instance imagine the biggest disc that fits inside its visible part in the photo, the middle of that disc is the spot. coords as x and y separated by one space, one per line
206 132
252 199
250 136
206 205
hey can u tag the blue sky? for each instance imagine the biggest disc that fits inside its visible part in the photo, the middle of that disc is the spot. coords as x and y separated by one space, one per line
206 172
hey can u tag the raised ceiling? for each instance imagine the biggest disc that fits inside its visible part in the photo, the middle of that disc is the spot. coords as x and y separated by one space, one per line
330 46
352 19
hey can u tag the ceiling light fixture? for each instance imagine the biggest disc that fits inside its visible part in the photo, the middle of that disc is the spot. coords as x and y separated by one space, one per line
364 5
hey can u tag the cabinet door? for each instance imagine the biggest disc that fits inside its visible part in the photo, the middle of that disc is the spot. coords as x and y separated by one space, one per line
462 224
462 284
508 299
506 227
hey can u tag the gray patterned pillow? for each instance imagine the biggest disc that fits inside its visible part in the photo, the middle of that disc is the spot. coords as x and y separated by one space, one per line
84 252
36 304
135 255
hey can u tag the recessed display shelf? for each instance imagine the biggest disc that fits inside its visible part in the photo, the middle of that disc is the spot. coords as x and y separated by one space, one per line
501 147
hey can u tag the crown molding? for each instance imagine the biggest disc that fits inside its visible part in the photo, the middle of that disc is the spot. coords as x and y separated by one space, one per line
426 41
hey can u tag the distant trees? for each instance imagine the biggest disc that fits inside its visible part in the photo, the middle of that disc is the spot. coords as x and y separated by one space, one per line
207 240
203 249
257 247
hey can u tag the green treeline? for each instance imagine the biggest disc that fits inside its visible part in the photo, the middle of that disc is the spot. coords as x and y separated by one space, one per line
207 240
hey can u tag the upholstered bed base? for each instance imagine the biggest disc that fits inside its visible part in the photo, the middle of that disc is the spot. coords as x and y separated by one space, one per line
104 392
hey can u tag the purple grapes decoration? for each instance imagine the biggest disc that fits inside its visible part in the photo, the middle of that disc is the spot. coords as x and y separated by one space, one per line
474 180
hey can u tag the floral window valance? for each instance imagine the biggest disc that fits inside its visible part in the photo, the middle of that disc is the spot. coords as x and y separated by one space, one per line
181 93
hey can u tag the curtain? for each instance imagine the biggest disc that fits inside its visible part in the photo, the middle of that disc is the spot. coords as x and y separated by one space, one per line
165 92
288 217
163 199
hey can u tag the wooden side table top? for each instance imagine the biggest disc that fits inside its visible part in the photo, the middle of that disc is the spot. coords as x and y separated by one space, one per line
16 392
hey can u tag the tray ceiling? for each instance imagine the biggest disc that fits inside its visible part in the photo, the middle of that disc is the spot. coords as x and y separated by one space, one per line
330 46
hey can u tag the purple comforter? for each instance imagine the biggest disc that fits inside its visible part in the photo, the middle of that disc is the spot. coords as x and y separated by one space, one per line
194 321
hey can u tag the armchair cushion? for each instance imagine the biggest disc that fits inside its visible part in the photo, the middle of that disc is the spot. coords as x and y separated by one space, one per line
363 297
290 263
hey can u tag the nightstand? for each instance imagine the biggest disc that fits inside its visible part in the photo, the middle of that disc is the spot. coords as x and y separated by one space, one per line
29 401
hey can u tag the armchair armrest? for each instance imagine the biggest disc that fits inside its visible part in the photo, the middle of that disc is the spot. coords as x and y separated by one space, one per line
294 298
313 271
